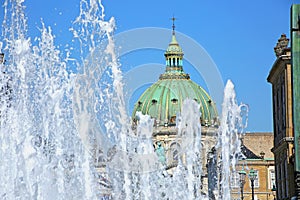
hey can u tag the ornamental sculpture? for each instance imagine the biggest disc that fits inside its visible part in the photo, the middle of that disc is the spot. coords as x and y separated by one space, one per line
281 45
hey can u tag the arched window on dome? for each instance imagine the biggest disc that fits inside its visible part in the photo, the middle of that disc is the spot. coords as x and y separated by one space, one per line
173 61
174 101
154 101
140 104
177 61
173 120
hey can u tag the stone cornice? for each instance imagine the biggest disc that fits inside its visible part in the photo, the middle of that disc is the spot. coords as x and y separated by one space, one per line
282 60
283 144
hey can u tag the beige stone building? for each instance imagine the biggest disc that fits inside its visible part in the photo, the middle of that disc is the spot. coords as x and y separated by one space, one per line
280 77
257 149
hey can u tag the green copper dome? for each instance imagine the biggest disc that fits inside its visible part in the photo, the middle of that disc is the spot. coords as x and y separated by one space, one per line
163 100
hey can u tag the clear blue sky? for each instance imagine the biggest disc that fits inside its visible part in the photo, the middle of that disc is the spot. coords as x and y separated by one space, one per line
238 35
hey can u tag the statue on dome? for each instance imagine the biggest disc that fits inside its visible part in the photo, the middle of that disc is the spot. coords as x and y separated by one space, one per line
160 152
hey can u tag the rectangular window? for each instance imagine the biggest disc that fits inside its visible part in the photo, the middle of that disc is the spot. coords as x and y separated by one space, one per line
256 181
283 103
279 108
272 178
235 180
274 111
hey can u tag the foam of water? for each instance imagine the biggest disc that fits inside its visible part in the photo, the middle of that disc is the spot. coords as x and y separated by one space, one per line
189 129
42 154
229 144
50 135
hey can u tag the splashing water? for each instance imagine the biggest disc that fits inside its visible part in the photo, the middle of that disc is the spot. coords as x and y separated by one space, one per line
52 145
189 129
229 144
43 156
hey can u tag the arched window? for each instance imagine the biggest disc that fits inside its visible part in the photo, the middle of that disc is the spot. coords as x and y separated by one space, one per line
173 61
174 101
140 104
173 120
154 101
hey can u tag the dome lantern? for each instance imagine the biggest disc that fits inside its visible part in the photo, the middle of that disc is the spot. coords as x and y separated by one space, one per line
174 54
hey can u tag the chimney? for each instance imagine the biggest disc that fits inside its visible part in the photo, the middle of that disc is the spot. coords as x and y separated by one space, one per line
262 155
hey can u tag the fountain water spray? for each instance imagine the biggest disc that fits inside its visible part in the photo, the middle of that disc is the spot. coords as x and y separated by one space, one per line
233 122
43 156
189 130
51 141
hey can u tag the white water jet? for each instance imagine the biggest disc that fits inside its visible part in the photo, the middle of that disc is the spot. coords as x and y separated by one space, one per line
50 136
189 129
230 132
42 154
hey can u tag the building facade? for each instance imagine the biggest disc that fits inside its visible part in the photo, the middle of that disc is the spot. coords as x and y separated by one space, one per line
256 148
280 77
